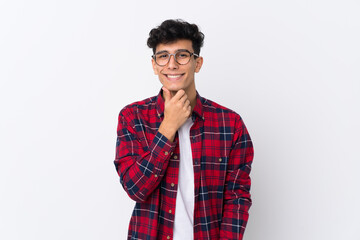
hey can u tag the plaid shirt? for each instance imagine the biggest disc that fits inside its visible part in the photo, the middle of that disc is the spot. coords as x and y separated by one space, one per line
148 166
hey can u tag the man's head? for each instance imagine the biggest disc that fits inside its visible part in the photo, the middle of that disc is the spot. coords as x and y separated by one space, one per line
176 46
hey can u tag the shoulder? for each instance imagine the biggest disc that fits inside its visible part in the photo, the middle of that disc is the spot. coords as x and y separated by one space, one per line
223 120
212 108
147 104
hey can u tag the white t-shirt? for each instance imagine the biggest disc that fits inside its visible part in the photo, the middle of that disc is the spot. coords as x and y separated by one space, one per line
184 211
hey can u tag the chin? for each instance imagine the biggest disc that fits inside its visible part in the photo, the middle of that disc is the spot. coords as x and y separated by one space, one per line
173 88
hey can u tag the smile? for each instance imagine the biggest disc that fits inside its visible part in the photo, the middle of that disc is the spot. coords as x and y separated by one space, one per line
172 76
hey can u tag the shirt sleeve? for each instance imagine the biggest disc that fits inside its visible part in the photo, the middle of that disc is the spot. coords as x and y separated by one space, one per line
140 168
237 200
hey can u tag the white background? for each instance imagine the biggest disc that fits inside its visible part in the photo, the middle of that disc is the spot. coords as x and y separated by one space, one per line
289 68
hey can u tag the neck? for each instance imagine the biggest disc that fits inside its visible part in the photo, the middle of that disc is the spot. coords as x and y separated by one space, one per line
192 98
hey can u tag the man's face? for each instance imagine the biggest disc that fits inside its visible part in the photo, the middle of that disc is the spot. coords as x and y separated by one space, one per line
174 76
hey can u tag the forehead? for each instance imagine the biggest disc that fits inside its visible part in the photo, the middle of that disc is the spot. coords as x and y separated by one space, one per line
174 46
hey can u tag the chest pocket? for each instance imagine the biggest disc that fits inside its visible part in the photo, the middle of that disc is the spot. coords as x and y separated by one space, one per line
214 175
216 170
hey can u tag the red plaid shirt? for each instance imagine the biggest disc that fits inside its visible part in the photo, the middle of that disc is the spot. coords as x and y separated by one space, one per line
148 166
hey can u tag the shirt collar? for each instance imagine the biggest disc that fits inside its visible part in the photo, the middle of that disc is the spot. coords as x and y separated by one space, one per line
197 112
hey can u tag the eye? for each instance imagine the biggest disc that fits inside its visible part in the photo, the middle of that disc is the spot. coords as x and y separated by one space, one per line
183 55
162 56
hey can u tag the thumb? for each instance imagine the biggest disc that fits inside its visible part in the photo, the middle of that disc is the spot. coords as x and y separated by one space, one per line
166 94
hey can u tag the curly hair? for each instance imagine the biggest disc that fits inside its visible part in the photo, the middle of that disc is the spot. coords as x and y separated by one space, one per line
175 29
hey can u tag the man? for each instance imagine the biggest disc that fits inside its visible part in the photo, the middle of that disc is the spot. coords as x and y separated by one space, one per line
184 159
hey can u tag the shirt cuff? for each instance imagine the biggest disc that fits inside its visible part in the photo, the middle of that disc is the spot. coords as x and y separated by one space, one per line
161 149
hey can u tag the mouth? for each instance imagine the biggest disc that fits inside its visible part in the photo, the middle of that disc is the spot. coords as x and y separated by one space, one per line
173 76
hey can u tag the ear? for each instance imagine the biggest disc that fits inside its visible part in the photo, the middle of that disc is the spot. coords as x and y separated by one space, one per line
156 72
199 63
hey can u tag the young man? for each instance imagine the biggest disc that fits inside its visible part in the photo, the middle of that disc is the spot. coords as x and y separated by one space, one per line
184 159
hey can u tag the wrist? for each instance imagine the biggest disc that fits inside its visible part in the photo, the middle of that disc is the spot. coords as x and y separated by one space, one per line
168 130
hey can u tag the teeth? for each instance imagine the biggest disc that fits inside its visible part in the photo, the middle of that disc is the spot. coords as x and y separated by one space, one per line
174 76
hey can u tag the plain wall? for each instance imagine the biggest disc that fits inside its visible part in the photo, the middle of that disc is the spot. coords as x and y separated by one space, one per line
289 68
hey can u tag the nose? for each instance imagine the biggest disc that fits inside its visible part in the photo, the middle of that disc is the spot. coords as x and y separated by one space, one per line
172 64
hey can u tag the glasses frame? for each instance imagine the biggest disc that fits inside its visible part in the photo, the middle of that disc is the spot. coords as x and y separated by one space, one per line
174 55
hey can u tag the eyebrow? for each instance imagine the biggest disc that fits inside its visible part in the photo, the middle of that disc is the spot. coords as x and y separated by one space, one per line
165 51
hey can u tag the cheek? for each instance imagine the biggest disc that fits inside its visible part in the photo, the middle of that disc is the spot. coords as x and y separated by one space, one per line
161 79
194 68
156 69
192 71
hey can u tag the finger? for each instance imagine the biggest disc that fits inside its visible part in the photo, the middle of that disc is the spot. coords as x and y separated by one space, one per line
189 110
187 103
179 95
166 94
183 99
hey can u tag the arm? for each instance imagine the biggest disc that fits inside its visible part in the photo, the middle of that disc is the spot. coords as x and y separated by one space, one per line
140 170
237 199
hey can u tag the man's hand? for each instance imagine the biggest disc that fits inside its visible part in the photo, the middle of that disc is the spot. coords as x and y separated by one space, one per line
176 111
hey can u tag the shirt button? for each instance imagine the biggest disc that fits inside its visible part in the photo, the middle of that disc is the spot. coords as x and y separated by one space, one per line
155 175
220 159
166 153
170 211
175 157
172 184
168 237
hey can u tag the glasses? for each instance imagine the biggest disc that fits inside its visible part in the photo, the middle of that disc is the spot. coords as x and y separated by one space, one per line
182 57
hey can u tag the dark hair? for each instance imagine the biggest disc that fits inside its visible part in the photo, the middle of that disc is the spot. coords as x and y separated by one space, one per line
172 30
